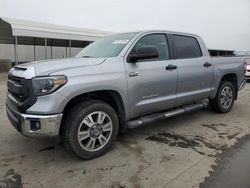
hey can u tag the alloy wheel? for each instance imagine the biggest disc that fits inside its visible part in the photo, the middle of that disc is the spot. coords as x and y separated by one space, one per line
95 131
226 97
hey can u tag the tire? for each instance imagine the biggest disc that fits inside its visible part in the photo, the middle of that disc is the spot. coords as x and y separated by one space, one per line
222 103
90 129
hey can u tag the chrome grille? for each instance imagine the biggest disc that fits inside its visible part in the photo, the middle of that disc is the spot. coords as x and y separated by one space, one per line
16 88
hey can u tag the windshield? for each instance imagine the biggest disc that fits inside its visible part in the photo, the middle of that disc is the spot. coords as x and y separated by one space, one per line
109 46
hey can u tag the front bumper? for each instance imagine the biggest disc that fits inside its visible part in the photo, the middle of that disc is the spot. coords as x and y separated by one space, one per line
34 125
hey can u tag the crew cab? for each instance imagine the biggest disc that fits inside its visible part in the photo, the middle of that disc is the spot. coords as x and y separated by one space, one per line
121 81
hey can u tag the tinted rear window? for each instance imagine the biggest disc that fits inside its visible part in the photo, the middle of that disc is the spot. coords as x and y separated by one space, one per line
186 47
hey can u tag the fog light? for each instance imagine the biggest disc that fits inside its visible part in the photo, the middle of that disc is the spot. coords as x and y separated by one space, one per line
35 125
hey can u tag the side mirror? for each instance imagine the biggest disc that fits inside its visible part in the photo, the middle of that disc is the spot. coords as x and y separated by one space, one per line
143 53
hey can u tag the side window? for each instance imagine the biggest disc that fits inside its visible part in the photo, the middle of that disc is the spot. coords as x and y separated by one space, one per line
155 40
186 47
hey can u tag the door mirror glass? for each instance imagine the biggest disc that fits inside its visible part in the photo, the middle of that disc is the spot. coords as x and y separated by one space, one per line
146 52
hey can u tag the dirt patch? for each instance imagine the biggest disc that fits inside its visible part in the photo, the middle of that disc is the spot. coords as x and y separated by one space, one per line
176 140
9 160
84 171
47 148
11 180
214 126
231 136
222 134
165 159
70 171
111 167
117 184
135 179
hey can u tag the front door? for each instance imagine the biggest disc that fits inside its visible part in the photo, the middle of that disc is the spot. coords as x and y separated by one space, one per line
152 82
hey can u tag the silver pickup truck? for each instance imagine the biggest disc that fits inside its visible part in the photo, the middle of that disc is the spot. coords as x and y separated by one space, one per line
118 82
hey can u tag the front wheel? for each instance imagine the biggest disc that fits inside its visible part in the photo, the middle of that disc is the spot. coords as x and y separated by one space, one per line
91 129
224 100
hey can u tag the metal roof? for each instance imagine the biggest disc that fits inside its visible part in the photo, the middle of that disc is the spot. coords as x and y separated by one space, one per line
44 30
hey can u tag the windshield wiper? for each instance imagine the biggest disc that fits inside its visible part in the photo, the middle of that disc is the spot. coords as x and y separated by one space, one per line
87 56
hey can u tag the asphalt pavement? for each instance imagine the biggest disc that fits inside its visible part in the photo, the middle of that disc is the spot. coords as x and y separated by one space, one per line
233 168
179 152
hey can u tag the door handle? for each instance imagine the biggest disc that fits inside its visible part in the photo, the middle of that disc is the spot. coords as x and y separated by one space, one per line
171 67
133 74
207 64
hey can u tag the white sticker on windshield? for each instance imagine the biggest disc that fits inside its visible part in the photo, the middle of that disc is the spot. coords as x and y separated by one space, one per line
120 41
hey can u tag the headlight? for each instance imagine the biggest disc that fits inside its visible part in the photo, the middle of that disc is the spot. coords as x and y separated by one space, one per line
47 85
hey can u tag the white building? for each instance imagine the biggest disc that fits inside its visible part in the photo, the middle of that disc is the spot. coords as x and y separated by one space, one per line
23 41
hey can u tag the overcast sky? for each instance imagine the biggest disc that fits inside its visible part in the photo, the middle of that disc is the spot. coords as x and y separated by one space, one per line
223 24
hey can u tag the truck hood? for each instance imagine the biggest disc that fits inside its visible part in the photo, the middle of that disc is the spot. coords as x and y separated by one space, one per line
46 67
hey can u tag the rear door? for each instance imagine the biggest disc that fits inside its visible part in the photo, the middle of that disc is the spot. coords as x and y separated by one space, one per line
195 70
151 87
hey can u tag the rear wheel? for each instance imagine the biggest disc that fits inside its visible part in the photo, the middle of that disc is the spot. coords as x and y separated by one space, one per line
91 129
224 100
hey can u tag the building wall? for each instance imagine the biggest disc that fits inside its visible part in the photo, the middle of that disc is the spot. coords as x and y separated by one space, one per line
26 52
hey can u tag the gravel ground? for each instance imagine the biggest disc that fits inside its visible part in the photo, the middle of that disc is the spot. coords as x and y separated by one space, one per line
178 152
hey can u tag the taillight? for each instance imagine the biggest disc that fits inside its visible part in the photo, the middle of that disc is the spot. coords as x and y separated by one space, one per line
245 66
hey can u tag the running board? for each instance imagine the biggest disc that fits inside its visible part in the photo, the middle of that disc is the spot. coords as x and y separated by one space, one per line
164 115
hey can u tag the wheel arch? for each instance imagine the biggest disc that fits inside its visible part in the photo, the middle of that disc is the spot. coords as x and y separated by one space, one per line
111 97
230 77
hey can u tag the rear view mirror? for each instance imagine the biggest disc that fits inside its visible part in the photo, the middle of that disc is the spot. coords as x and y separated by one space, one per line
143 53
